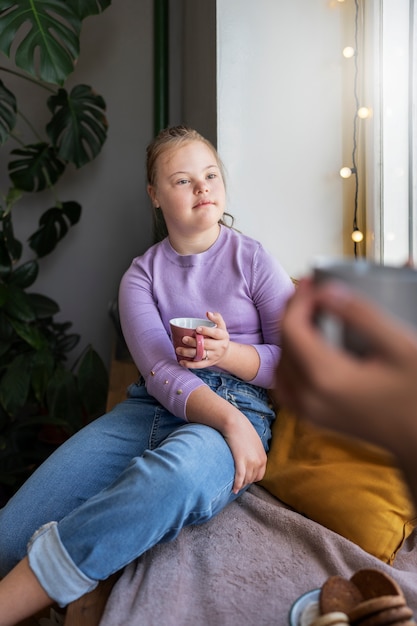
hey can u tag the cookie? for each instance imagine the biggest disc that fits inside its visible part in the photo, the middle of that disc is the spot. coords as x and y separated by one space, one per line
388 617
373 583
335 618
375 605
339 594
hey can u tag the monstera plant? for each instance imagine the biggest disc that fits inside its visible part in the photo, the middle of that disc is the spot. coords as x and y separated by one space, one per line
42 398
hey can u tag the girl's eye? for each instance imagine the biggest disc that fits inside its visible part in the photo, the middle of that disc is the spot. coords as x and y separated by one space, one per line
183 181
212 175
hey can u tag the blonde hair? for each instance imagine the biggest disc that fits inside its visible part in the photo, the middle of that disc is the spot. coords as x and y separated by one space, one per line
174 137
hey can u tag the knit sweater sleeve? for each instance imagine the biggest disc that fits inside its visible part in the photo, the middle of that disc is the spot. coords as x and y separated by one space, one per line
149 343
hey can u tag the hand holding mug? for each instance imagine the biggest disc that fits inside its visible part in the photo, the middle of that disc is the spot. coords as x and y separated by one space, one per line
200 342
189 327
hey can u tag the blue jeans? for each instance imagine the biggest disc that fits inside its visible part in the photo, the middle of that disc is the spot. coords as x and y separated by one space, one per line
127 481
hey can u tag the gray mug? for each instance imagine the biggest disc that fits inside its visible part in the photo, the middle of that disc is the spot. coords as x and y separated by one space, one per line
394 289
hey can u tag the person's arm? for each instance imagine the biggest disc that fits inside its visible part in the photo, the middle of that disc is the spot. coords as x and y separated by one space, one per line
206 407
372 397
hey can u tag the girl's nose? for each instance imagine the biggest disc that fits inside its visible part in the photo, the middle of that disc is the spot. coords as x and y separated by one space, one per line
201 187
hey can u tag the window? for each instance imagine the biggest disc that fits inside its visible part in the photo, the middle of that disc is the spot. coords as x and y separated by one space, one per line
392 137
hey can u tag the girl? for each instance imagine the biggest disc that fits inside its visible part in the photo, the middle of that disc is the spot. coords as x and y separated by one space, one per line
191 434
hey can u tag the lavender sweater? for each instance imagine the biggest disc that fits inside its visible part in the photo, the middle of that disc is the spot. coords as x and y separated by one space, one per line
236 277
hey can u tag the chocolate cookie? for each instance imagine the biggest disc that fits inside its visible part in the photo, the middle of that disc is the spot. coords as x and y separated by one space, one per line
373 583
339 594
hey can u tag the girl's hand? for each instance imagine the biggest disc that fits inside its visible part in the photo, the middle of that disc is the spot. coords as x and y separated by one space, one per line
204 406
216 344
248 453
238 359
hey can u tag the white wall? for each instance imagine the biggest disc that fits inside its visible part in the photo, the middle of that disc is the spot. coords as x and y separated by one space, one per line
280 115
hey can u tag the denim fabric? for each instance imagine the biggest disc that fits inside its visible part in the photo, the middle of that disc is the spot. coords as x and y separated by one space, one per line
128 480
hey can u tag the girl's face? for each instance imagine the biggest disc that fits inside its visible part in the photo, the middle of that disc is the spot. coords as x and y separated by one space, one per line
189 189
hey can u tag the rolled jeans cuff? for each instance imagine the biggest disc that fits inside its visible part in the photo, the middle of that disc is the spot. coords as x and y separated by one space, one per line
54 568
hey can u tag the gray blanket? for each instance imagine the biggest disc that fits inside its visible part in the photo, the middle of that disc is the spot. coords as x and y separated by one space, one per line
243 568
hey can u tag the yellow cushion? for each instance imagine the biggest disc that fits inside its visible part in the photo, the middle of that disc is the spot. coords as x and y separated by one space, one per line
347 486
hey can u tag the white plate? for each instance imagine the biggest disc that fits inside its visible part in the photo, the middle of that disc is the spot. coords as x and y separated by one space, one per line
300 604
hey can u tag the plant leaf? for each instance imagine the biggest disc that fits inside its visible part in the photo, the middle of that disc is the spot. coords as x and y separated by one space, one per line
39 167
43 367
5 260
29 333
6 334
25 275
43 306
84 8
64 399
15 383
93 382
49 45
8 109
10 246
53 226
72 211
78 127
17 304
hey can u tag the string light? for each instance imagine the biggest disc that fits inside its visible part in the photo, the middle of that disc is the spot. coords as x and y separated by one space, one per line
346 172
364 112
361 112
348 52
357 235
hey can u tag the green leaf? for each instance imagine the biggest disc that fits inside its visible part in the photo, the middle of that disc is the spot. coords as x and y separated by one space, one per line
72 210
84 8
43 306
39 167
29 333
13 245
6 329
68 343
6 334
54 225
78 128
15 384
17 304
8 109
5 260
93 382
63 398
25 275
48 33
4 293
43 367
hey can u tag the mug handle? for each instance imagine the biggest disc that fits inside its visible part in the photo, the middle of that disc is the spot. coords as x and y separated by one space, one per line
199 347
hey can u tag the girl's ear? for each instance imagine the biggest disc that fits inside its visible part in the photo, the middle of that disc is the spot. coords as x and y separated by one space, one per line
152 195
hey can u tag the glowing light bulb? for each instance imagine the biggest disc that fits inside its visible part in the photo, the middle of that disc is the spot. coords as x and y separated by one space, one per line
363 112
357 235
348 52
346 172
